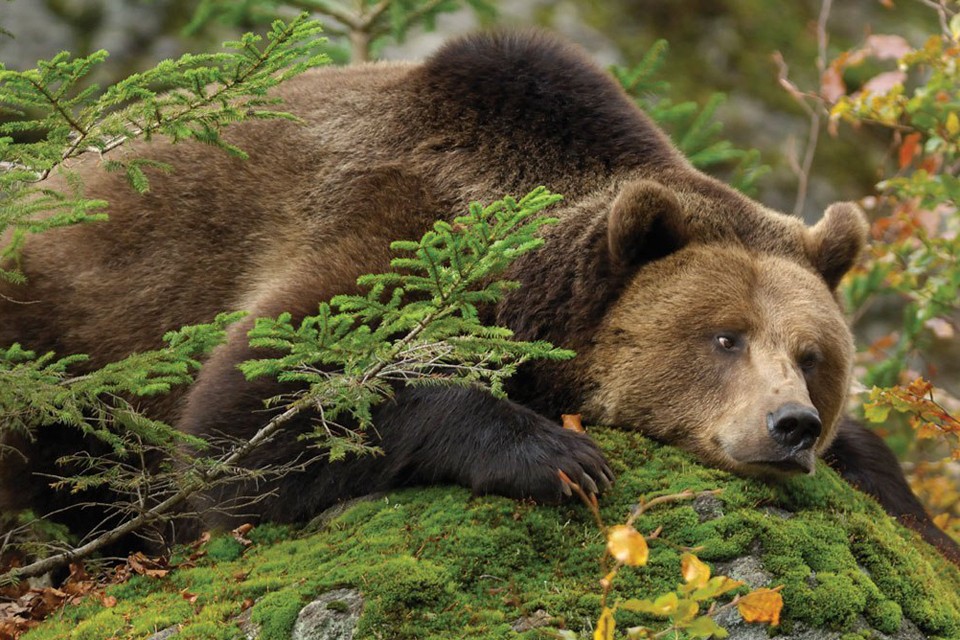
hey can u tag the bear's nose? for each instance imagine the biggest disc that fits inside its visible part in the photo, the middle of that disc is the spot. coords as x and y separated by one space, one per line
794 426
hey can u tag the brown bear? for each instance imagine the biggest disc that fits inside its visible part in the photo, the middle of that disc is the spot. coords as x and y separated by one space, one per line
699 316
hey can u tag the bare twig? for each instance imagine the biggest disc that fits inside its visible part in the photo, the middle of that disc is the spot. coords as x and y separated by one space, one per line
673 497
813 131
942 13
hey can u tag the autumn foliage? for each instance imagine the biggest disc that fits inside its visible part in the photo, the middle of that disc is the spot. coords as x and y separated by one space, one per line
906 294
914 258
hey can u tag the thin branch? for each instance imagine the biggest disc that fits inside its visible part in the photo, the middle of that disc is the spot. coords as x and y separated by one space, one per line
329 9
74 149
941 9
423 10
813 131
375 14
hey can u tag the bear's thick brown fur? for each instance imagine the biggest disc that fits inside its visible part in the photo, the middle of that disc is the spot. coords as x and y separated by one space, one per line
699 316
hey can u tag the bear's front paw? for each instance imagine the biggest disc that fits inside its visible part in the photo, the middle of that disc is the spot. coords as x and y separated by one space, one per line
529 468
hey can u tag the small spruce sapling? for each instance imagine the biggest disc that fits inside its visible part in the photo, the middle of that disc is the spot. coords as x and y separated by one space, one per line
419 324
198 95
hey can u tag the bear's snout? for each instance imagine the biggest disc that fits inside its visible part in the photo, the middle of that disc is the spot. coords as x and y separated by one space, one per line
794 426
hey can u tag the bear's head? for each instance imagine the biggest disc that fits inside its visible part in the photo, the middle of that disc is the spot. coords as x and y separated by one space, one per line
740 355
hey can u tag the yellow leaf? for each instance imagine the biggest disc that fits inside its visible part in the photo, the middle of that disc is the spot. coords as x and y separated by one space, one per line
715 587
762 605
705 627
666 604
953 123
606 625
695 572
663 606
626 545
686 611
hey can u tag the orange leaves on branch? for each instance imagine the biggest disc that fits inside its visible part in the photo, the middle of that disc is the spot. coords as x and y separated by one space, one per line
886 46
883 83
909 149
832 86
934 485
927 416
762 605
627 545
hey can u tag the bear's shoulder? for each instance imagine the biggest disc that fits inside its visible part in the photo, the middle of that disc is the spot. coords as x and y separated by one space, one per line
530 84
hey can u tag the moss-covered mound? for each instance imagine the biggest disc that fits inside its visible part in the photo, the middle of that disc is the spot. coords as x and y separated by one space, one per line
437 563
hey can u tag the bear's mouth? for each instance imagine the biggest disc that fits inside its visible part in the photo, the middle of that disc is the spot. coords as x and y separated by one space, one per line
797 461
789 466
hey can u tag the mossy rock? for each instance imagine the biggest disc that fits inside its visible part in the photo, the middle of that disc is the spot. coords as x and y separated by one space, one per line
438 563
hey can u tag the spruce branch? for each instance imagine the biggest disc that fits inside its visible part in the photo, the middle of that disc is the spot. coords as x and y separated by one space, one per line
417 324
200 95
364 23
39 391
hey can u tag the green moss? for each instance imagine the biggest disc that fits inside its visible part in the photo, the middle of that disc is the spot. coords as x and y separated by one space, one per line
277 612
339 606
224 548
434 559
885 616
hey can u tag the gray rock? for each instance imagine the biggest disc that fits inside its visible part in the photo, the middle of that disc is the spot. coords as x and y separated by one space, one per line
169 632
250 629
332 616
535 620
749 569
777 512
708 507
322 520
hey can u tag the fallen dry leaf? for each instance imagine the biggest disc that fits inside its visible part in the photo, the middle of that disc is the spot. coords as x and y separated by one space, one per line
239 534
762 605
153 568
572 422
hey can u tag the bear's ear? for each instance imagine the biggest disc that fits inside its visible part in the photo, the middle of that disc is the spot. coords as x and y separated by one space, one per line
837 240
646 222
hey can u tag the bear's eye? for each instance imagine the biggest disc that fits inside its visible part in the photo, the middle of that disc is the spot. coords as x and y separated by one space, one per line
808 361
727 342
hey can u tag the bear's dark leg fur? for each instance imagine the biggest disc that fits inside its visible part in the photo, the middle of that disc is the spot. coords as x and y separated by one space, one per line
428 435
491 445
865 461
